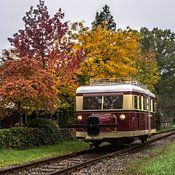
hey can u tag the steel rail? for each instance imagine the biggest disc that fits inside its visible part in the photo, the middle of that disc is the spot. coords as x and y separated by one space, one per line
43 161
36 163
110 155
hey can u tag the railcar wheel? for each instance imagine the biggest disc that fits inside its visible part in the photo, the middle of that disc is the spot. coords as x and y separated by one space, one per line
128 141
95 144
143 138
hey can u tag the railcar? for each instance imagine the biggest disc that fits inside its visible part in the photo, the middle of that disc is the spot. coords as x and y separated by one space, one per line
109 110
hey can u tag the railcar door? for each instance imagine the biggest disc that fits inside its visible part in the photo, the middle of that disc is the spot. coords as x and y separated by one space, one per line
135 119
149 115
135 124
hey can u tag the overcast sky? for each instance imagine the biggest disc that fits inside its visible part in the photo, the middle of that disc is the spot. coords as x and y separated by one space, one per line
133 13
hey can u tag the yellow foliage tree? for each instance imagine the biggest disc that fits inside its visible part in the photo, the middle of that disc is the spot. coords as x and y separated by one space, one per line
108 53
112 54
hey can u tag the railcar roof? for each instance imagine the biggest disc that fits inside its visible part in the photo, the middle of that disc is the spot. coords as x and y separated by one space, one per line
113 88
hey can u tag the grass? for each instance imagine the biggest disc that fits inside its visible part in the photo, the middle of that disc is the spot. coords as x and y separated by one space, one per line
160 161
164 164
166 129
11 156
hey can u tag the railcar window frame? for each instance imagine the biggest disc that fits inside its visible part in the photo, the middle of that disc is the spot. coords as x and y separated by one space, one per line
115 104
137 102
140 102
151 104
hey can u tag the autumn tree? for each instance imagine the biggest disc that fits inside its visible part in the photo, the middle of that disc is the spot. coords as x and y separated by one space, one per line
45 39
147 69
112 54
104 18
63 68
42 34
162 43
25 86
109 53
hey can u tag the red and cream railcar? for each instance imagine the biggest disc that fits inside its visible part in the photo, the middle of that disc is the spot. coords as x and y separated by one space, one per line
114 112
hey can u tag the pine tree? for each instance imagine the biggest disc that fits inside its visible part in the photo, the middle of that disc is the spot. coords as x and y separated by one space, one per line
104 18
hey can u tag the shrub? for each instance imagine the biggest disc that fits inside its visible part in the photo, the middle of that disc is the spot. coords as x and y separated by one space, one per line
22 138
42 123
19 138
49 133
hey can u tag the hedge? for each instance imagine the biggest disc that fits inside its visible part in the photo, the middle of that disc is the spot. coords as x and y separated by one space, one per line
24 137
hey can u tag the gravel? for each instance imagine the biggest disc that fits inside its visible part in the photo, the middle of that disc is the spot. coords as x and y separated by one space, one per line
120 163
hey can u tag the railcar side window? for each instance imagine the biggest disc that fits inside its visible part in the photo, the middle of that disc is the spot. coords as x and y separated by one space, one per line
144 103
135 102
154 104
113 102
140 102
92 102
149 104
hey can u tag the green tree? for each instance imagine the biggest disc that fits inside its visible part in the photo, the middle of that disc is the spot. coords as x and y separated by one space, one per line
147 69
104 18
162 43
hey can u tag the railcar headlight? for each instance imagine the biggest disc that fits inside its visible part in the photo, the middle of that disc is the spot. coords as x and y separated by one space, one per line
80 117
122 117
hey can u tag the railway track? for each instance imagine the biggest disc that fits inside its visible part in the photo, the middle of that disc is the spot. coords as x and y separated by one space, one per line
76 161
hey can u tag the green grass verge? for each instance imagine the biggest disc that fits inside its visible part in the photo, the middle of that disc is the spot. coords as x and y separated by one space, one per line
11 156
166 129
160 161
164 164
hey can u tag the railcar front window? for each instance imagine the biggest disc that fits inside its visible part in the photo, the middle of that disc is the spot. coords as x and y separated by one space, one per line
92 102
113 102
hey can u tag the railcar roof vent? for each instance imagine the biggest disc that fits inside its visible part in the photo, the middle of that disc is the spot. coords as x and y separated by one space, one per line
113 81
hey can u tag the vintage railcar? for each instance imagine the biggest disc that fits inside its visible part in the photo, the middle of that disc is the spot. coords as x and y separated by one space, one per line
114 111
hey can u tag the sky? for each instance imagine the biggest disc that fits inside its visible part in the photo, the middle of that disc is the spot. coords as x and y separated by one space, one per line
132 13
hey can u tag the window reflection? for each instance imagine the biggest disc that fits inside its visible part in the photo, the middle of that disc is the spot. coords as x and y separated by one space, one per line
109 102
92 102
113 102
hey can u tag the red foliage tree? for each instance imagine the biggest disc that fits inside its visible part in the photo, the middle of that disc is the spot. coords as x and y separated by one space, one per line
25 86
42 35
46 39
64 69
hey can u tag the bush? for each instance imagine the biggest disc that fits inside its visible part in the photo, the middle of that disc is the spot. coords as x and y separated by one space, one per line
48 132
42 123
19 138
22 138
